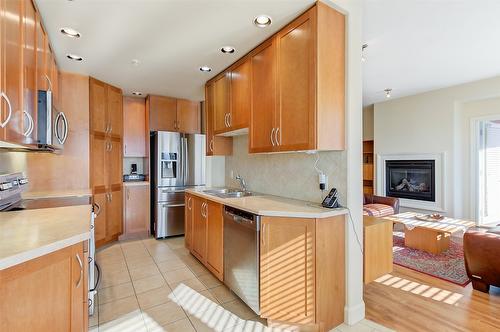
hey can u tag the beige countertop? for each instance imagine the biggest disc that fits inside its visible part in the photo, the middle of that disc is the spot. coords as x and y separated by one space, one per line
58 193
135 183
28 234
273 206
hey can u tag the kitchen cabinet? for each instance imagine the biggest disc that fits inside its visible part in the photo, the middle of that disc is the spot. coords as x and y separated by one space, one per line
287 242
106 157
46 293
204 232
215 145
188 221
240 91
136 218
134 127
263 115
42 82
171 114
221 103
29 73
199 245
215 235
188 116
100 199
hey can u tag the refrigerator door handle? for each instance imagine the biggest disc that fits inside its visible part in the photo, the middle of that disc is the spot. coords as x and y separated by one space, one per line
186 161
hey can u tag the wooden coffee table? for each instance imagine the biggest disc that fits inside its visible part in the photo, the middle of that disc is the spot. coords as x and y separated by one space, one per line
432 237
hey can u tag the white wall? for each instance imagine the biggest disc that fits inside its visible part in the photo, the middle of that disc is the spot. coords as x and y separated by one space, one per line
368 122
438 122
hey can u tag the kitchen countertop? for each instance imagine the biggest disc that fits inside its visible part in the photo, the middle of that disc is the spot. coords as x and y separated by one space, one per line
58 194
28 234
272 206
135 183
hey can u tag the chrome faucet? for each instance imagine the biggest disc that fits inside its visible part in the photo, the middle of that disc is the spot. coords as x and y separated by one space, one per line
243 184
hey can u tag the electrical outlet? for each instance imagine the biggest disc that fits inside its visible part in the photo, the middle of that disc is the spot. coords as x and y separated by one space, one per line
323 181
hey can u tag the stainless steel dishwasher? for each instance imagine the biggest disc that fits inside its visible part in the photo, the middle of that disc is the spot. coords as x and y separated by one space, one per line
241 255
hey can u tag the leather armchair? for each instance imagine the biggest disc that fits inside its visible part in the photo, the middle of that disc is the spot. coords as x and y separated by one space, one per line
482 257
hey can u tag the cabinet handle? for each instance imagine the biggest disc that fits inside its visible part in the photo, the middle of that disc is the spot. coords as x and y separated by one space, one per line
49 82
61 116
125 146
81 270
278 142
189 203
272 134
263 234
128 194
211 145
4 96
31 124
110 197
229 119
226 122
97 209
110 146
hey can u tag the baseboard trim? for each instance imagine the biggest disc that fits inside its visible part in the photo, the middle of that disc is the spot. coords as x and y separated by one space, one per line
354 314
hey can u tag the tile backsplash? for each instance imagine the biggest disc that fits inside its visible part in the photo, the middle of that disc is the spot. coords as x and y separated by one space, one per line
286 174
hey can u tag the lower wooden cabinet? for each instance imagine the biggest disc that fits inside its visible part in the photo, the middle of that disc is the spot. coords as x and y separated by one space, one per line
204 232
136 211
46 294
109 220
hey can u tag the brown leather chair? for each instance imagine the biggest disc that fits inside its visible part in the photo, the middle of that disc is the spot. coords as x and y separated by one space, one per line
379 206
482 257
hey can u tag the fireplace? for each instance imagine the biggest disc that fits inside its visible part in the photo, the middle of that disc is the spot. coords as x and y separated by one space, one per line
411 179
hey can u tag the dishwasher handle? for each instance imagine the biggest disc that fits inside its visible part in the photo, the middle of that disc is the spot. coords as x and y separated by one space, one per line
245 222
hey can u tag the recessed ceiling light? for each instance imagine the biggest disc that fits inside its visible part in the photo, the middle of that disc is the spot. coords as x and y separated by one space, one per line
227 49
388 92
74 57
205 69
70 32
137 93
135 62
262 21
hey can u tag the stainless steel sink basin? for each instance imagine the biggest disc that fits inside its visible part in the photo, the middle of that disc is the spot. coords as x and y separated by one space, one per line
228 193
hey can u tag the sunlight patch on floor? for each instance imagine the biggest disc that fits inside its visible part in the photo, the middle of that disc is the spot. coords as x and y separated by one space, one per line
130 322
435 293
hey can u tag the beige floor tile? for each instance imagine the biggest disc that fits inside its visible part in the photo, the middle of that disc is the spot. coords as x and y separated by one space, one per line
154 297
171 265
114 293
222 294
198 269
143 272
176 242
199 325
209 280
178 275
135 263
183 251
114 278
183 325
194 283
163 256
239 308
208 295
133 322
163 314
215 318
114 310
148 283
189 259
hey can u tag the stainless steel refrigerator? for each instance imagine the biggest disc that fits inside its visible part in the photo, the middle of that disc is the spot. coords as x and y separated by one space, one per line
177 163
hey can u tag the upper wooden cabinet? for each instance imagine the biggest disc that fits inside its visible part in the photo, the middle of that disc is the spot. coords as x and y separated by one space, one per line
134 127
106 109
171 114
29 73
188 116
293 84
215 145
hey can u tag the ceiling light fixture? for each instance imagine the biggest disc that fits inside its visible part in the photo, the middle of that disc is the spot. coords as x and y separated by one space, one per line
135 62
205 69
388 92
74 57
70 32
227 49
262 21
137 93
363 58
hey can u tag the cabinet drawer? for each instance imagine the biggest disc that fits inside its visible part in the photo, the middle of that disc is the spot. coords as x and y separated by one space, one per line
170 195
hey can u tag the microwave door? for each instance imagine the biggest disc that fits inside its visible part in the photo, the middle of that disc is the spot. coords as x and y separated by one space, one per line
169 160
194 146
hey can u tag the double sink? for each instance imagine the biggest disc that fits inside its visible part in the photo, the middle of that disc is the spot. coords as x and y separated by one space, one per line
228 193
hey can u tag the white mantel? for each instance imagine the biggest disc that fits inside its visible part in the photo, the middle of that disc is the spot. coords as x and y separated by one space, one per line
439 204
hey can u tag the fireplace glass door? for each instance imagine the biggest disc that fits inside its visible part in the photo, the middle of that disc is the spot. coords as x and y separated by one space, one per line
411 179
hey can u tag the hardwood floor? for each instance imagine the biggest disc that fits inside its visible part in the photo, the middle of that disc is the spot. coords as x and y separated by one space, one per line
407 300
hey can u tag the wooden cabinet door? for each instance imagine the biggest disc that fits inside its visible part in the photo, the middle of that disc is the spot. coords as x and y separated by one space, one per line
296 84
215 235
41 80
162 113
11 44
221 103
114 163
188 116
199 247
188 221
98 150
54 79
41 294
29 73
114 100
134 127
114 214
78 287
100 199
98 118
209 118
136 219
287 242
240 95
264 99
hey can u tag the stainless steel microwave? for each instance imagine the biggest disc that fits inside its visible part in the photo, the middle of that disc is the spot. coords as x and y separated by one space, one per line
52 125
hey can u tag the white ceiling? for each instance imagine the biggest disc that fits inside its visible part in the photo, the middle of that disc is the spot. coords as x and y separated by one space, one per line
171 38
422 45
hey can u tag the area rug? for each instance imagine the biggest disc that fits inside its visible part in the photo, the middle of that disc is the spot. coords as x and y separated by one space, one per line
448 265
